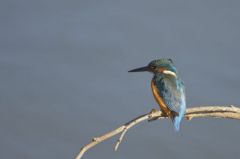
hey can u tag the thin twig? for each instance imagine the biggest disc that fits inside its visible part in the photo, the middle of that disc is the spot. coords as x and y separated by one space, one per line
230 112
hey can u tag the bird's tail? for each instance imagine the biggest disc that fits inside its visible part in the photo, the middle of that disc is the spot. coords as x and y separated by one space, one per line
176 121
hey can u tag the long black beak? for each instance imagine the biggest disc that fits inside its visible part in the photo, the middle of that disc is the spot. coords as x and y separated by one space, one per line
141 69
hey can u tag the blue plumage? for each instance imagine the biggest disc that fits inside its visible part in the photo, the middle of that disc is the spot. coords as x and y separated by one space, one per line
171 90
168 89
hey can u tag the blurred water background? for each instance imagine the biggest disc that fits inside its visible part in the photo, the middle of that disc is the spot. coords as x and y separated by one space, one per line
64 79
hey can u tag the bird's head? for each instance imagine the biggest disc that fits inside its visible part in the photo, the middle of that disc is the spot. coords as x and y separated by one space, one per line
164 66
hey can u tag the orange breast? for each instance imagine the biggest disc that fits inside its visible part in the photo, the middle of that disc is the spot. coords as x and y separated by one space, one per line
159 100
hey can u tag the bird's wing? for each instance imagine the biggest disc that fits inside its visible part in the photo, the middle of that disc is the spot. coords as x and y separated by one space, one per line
173 94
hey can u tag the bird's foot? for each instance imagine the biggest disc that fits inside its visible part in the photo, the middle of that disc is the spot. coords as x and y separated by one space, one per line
153 111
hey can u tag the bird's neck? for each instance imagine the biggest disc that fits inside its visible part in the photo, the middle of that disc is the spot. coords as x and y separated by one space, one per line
158 77
166 74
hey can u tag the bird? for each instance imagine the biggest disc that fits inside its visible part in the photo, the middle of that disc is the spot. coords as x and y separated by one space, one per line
168 89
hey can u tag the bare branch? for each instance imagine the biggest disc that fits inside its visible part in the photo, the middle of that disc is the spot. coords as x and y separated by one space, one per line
230 112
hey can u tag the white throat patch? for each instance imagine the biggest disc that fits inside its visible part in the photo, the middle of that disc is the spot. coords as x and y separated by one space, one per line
167 72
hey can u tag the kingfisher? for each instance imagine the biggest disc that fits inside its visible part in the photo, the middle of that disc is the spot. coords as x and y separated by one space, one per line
167 88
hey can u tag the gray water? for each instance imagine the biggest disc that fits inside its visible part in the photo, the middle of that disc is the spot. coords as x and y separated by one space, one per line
64 79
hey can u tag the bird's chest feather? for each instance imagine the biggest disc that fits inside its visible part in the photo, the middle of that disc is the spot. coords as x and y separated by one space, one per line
159 99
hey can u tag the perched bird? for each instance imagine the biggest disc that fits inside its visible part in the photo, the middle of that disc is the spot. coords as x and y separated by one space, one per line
168 89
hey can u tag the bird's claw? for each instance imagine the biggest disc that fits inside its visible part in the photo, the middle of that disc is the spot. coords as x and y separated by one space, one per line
151 112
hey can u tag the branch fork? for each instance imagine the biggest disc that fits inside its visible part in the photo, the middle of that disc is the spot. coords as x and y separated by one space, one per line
230 112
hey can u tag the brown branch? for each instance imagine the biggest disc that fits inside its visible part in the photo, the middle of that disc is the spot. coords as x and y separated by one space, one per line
230 112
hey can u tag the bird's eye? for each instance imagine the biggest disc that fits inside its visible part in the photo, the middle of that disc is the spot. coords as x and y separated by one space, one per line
153 67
